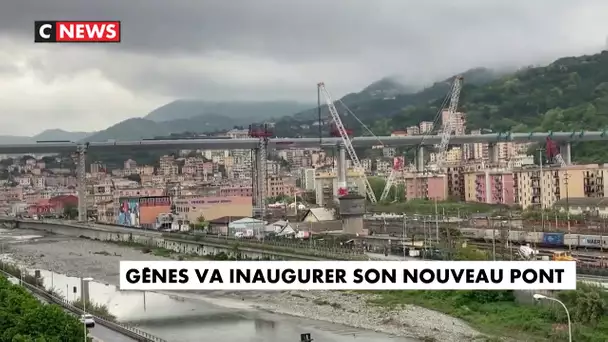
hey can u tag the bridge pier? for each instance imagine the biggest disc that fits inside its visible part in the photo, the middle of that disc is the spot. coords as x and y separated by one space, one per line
341 169
420 159
81 176
259 179
565 149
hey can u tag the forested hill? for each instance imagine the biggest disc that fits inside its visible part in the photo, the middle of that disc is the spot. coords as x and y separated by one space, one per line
391 111
569 94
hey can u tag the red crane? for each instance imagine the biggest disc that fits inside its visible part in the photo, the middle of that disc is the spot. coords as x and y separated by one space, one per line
260 131
335 132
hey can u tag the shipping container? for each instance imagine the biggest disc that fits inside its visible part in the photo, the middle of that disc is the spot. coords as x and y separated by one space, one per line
471 233
553 239
532 237
571 239
593 241
517 236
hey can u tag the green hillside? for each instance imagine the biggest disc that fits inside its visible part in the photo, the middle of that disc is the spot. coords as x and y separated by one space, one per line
566 95
570 94
185 109
383 112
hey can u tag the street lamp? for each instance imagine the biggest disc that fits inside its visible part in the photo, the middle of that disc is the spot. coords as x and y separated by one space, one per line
85 282
538 296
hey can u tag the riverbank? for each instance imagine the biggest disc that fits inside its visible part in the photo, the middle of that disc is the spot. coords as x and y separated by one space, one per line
89 258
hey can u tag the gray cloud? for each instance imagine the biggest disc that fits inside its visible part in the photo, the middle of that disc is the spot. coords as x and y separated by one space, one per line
271 49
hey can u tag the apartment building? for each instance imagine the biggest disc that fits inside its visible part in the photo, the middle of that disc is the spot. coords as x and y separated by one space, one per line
455 182
237 190
490 186
168 166
458 121
425 186
426 127
307 179
413 130
544 189
130 164
326 186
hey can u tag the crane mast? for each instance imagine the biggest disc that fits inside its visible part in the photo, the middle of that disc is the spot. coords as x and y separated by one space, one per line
346 141
397 166
448 127
446 132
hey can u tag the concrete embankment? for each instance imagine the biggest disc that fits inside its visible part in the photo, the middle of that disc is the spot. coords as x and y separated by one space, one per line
335 312
196 245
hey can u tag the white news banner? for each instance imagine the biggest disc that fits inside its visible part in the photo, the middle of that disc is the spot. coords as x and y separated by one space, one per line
347 275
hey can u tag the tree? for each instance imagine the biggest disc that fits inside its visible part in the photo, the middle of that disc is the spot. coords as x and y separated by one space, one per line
201 223
24 318
70 211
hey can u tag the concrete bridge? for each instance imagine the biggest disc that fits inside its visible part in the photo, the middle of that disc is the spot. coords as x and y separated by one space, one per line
261 146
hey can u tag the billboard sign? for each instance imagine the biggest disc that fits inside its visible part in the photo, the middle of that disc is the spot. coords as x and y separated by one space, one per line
128 212
152 206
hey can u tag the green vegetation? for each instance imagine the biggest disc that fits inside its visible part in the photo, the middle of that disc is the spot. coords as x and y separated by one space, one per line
570 94
70 212
499 313
25 319
95 309
99 310
511 314
201 224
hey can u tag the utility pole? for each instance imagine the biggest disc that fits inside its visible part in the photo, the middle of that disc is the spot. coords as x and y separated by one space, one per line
404 234
568 208
436 223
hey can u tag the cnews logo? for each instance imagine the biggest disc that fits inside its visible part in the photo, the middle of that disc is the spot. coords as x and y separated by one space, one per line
77 32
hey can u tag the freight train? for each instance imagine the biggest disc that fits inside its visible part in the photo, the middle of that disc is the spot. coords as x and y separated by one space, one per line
554 239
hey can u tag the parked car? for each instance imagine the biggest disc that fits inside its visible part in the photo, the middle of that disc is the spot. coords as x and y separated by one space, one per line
88 320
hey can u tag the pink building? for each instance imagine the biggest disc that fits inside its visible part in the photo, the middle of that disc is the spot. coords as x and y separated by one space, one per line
492 187
426 187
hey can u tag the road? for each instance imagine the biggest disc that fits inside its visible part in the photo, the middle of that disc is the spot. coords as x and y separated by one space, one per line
103 334
99 333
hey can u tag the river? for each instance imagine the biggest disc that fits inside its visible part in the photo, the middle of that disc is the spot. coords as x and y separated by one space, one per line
192 318
189 319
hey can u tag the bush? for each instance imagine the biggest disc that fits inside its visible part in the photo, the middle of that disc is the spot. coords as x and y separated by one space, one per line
95 309
24 318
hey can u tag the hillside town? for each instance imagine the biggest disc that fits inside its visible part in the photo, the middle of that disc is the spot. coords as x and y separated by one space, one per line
216 184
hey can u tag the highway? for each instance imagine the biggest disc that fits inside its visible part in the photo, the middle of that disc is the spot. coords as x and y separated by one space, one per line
286 143
99 333
103 334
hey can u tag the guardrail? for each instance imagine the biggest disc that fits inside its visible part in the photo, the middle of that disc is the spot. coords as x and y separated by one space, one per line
123 329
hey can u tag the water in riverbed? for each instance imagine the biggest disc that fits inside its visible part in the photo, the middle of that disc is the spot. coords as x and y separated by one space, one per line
191 319
188 319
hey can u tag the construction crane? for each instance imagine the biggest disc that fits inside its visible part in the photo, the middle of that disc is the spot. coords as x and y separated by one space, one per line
454 96
347 143
398 164
448 127
553 152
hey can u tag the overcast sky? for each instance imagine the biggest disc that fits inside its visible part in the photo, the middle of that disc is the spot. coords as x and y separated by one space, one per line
264 50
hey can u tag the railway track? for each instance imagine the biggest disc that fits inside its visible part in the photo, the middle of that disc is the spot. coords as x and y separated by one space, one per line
592 256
